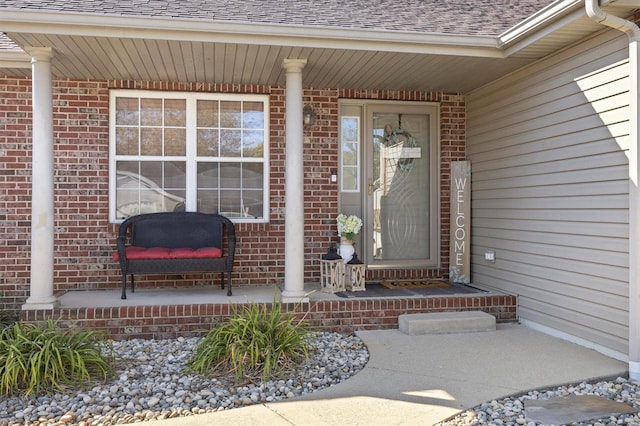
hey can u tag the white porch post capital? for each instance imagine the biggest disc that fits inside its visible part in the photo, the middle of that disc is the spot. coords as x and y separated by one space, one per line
294 185
42 205
293 66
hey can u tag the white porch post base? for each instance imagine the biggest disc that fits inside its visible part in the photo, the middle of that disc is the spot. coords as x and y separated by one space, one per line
293 299
40 305
294 185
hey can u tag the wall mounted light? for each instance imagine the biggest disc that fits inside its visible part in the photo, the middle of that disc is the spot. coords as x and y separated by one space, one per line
308 116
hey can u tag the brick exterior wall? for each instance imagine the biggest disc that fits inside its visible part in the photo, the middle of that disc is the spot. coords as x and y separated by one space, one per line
84 238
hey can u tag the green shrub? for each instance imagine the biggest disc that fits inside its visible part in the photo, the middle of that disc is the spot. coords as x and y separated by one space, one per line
40 357
252 343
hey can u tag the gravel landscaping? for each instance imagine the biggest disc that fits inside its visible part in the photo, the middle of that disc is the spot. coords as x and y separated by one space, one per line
511 410
150 384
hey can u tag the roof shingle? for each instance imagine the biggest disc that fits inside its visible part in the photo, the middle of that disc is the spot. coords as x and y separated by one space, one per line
7 44
465 17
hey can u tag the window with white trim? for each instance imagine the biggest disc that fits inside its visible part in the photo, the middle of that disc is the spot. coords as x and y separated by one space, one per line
172 151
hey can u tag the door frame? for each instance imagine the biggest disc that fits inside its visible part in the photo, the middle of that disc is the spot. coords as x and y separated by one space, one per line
361 203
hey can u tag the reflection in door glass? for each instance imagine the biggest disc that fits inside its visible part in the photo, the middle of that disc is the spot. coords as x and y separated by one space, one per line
401 198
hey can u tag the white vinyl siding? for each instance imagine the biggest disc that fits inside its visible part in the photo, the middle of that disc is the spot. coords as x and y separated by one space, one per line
548 147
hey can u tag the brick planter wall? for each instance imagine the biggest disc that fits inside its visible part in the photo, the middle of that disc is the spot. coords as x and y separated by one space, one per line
170 321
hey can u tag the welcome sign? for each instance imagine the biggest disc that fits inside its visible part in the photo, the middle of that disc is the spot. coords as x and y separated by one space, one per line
459 253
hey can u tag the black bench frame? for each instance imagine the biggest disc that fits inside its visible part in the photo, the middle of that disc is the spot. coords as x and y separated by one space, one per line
176 230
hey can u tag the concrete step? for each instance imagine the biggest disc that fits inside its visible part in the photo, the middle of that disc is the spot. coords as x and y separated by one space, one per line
446 322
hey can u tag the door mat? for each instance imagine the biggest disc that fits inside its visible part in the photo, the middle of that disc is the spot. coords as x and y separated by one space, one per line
573 409
378 290
414 283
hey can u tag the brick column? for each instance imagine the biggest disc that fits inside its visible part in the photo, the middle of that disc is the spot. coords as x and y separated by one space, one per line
42 208
294 185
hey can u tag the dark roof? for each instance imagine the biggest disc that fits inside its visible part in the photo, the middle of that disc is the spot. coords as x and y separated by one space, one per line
465 17
6 43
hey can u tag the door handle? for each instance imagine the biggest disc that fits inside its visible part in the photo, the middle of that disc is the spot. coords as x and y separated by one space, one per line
370 186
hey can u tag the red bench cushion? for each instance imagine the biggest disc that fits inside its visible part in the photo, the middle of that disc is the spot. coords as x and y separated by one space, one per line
134 252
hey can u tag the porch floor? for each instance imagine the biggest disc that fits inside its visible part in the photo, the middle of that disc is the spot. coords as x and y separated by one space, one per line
161 313
214 295
180 296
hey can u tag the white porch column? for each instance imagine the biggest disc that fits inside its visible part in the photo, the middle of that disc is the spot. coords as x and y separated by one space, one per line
42 210
294 185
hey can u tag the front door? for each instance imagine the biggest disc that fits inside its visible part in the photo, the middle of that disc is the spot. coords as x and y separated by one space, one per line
400 180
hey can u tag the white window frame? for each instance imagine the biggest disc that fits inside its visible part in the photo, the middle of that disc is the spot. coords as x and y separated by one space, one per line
191 158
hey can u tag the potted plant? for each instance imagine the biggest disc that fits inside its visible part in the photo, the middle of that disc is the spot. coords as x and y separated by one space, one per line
348 228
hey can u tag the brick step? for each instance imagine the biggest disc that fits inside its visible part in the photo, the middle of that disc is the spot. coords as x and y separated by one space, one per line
446 322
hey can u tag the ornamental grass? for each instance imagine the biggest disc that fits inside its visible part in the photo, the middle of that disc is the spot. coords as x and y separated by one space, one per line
7 318
252 343
44 357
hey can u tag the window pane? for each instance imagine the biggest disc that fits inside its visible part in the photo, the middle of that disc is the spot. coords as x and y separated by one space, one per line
350 129
230 203
127 189
127 203
230 175
253 175
349 154
230 114
208 201
151 112
253 144
175 174
151 141
175 141
253 116
230 142
208 143
349 179
151 174
127 141
207 175
207 113
125 168
175 112
252 203
127 111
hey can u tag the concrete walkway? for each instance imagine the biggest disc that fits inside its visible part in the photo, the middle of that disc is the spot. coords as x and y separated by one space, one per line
421 380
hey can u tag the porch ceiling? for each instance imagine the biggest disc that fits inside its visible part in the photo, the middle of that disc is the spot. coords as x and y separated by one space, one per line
174 50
